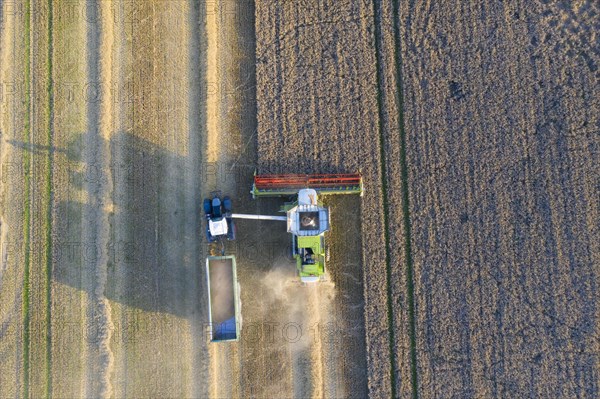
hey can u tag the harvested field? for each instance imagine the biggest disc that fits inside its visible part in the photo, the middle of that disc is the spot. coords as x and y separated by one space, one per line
95 302
127 115
100 312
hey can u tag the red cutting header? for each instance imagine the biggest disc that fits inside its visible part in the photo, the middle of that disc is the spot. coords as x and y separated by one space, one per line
304 181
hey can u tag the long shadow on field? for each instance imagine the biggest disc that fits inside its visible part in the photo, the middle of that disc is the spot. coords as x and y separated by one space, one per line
156 246
153 250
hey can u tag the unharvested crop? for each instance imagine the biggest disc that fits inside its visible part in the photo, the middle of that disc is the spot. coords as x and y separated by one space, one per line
502 143
476 128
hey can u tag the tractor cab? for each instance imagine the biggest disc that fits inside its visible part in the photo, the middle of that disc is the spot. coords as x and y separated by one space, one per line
220 224
217 224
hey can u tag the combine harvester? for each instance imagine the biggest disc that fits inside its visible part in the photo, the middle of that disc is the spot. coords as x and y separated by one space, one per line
307 219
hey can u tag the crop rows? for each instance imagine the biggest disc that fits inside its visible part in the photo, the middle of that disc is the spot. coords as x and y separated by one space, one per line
15 199
502 148
396 195
469 268
476 131
317 113
82 305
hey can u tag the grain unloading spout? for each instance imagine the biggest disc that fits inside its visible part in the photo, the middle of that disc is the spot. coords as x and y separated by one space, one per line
290 184
258 217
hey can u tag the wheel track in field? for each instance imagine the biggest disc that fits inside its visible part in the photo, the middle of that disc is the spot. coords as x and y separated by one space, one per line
43 378
384 189
46 266
406 205
98 191
27 205
50 201
405 201
386 140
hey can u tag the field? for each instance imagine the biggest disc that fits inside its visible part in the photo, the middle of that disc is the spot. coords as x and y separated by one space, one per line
502 147
477 132
469 267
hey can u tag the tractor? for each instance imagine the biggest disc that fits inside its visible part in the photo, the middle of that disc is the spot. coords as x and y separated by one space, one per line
220 224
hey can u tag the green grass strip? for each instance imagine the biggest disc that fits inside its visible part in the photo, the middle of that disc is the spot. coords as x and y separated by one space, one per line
384 188
410 289
27 201
48 226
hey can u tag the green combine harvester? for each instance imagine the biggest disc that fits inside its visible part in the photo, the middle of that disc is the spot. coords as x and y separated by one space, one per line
307 219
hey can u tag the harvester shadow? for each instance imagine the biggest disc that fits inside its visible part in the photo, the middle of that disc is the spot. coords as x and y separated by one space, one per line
156 247
152 254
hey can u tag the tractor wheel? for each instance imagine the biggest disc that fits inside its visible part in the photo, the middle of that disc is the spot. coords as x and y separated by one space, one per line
227 204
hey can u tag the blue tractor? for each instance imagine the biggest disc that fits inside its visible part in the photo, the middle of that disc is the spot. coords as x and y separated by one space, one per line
219 224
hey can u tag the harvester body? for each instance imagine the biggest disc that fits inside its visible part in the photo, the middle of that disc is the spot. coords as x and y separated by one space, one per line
307 219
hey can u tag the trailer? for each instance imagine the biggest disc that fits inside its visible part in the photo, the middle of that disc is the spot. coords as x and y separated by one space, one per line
224 306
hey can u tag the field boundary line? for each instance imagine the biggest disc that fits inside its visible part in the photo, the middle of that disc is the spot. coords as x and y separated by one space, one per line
50 200
384 189
27 200
405 200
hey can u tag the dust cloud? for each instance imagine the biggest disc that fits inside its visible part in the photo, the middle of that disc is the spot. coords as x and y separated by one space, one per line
305 306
